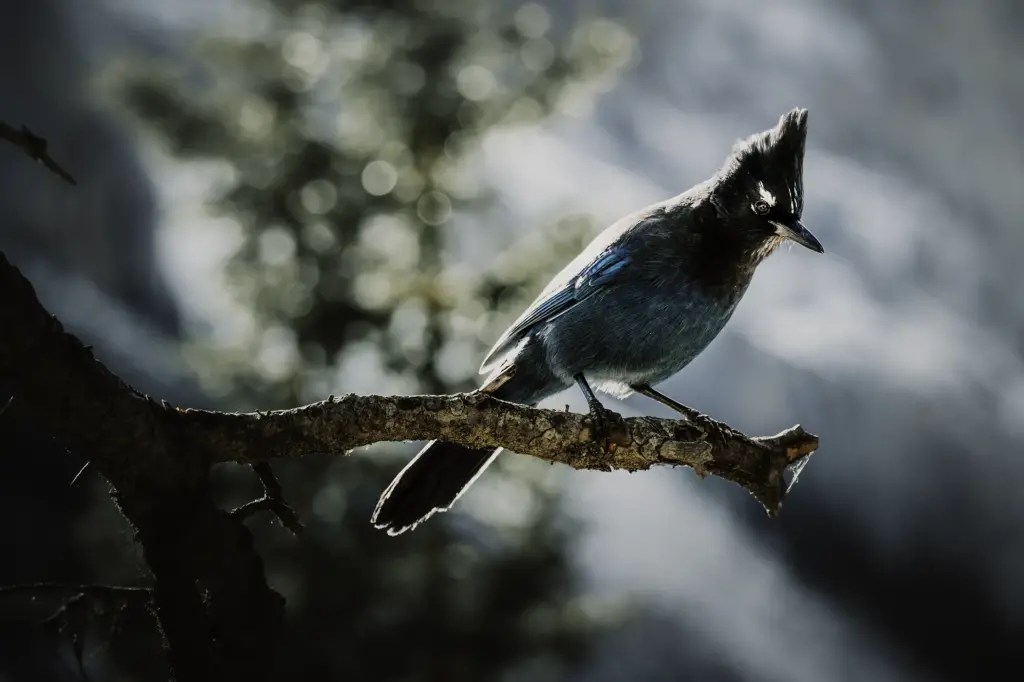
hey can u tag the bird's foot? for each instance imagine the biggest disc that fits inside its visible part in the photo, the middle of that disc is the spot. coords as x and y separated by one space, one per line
609 428
698 419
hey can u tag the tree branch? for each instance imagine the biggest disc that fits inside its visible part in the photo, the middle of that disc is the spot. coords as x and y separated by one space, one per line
218 616
35 147
134 437
272 501
80 606
337 425
64 590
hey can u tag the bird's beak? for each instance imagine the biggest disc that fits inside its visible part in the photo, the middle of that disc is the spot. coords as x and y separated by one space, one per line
793 229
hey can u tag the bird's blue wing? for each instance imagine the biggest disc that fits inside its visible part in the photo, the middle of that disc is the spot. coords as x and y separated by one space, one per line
599 272
602 269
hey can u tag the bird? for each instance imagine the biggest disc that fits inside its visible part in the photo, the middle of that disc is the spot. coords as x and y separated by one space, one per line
638 304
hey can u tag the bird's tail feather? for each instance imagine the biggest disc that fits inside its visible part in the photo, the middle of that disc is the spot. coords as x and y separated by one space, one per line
430 483
439 474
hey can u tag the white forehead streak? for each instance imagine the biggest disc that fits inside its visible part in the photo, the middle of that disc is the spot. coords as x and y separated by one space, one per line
768 197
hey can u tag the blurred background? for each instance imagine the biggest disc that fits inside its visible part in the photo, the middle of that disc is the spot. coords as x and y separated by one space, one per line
282 199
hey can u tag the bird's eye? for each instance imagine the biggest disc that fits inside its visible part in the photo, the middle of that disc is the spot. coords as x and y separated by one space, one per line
761 207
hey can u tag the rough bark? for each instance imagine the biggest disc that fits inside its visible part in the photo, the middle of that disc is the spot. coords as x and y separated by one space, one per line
338 424
218 616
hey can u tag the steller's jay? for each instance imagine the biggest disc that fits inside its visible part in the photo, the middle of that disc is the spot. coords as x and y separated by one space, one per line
636 306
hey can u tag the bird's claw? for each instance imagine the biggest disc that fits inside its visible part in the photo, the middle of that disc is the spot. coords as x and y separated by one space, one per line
704 422
695 417
609 428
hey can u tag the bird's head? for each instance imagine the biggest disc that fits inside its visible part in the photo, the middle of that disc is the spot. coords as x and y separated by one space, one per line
760 188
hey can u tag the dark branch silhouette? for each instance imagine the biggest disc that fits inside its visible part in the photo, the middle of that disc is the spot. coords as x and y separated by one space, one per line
272 501
35 147
105 592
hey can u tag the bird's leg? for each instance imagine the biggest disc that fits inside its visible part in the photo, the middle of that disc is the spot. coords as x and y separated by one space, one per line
609 428
691 414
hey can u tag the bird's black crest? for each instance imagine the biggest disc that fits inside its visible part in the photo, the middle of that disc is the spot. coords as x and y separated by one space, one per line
775 157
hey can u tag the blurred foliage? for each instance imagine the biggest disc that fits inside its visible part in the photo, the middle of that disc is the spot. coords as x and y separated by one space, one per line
349 128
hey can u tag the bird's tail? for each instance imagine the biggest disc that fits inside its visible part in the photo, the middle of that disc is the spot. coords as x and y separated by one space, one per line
437 476
430 483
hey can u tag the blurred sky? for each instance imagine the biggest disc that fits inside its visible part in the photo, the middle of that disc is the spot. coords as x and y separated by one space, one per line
901 347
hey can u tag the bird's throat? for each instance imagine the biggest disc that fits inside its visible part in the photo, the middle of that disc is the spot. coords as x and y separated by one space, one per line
765 249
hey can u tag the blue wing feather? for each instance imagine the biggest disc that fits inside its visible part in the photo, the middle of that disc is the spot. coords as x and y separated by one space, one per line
599 272
603 269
